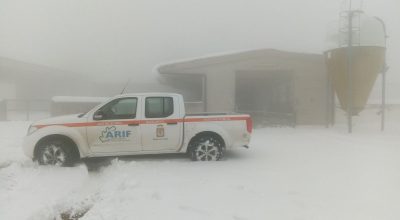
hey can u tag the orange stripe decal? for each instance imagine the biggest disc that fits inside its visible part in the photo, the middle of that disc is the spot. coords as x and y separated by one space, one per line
110 123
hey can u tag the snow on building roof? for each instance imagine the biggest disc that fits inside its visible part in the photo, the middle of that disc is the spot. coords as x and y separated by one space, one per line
223 57
17 69
82 99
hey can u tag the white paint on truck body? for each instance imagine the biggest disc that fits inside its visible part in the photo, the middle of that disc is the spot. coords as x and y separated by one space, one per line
142 132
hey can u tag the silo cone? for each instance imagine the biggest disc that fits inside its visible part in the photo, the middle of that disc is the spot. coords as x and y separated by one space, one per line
367 63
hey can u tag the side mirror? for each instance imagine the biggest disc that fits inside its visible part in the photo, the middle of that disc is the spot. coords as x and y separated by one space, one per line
98 115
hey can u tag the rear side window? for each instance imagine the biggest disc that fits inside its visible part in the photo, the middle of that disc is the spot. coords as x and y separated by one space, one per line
159 107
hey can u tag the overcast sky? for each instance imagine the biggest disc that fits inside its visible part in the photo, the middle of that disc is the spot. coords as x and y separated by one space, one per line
116 38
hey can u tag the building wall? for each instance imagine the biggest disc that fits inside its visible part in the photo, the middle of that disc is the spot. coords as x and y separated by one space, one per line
311 92
3 110
7 90
220 91
194 107
309 82
64 108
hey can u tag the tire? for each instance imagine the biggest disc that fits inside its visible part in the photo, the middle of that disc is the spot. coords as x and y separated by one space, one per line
206 148
56 152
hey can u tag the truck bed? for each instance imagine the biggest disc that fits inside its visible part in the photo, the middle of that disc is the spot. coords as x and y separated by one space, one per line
210 114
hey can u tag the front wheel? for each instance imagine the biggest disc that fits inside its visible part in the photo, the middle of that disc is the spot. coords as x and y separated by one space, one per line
206 148
55 152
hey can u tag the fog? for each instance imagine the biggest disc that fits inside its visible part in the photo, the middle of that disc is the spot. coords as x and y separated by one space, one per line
260 131
116 40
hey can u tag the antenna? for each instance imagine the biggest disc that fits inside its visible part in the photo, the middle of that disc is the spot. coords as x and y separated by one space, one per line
126 85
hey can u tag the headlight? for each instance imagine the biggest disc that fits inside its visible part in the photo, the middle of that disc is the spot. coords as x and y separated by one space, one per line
31 129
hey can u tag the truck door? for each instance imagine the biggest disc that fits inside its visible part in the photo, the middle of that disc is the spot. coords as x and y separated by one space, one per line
162 127
114 127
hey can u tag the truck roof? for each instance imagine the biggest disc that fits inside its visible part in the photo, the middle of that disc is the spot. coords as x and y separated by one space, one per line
148 94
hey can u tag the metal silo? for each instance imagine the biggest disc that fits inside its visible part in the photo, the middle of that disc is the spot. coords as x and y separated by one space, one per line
355 57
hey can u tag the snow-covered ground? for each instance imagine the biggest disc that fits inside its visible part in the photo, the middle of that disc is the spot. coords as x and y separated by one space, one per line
304 173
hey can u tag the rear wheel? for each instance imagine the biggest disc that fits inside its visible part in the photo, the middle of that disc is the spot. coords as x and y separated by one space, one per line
56 152
206 148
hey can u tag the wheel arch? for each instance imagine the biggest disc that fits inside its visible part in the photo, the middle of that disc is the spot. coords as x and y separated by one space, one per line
57 137
206 133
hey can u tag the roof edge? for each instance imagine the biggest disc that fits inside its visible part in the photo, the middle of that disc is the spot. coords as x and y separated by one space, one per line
221 58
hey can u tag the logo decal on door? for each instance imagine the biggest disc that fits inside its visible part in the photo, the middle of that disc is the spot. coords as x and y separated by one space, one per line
111 134
160 131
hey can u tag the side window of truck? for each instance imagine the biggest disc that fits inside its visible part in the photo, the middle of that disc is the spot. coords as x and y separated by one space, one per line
124 108
159 107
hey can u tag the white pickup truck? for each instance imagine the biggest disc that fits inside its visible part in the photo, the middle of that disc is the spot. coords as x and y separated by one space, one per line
131 124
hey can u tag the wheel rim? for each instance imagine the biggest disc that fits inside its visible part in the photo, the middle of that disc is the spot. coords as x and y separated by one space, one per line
53 155
207 151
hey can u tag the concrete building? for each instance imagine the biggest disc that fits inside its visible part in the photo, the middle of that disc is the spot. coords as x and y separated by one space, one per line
27 90
275 87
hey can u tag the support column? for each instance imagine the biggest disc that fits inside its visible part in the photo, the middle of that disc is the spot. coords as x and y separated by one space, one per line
383 106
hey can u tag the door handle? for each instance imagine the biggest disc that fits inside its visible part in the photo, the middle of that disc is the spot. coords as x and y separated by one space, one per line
135 124
172 123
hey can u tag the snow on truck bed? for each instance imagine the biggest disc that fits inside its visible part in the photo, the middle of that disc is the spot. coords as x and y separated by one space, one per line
303 173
